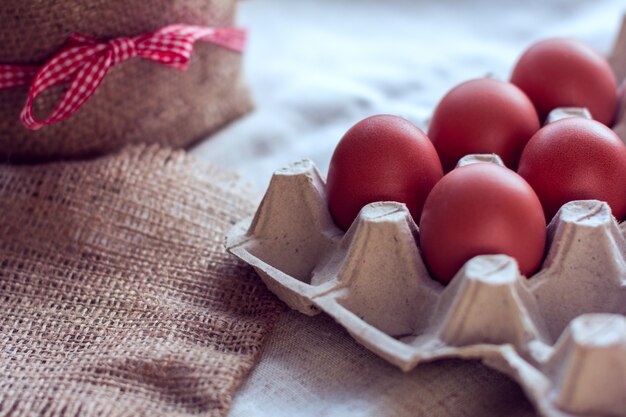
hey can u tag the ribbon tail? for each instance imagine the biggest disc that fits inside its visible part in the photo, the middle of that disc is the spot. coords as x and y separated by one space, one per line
230 38
83 84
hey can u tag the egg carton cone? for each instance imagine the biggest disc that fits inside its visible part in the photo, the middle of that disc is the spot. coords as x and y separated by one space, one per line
561 334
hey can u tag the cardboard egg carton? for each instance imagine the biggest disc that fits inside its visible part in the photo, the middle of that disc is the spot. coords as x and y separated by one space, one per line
561 334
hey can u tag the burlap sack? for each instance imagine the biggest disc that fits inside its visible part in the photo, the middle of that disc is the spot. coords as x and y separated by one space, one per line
139 101
116 295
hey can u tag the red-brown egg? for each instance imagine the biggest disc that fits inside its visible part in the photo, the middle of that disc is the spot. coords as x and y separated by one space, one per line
381 158
481 209
483 116
567 73
576 159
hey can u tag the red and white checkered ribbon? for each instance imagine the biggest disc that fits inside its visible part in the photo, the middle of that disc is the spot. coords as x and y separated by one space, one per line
84 62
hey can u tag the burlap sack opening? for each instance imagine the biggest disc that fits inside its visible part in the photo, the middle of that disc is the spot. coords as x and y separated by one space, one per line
117 297
139 101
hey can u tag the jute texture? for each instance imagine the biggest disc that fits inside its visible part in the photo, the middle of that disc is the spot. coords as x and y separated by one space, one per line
117 297
139 101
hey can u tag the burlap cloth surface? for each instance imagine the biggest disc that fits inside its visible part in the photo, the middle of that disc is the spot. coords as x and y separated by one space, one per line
116 295
139 100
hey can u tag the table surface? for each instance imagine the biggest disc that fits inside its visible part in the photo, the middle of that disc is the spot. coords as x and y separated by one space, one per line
315 68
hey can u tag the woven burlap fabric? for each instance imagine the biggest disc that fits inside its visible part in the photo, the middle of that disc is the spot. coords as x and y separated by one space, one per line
117 297
139 101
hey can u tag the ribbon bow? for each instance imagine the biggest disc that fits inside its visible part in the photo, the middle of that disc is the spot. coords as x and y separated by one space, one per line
85 61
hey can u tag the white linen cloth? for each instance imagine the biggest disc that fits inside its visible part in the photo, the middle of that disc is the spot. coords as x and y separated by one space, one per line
316 67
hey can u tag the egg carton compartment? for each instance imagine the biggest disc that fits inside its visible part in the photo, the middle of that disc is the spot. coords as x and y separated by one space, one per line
561 334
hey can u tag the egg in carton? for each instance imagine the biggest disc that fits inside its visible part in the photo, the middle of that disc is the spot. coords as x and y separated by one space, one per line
561 334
